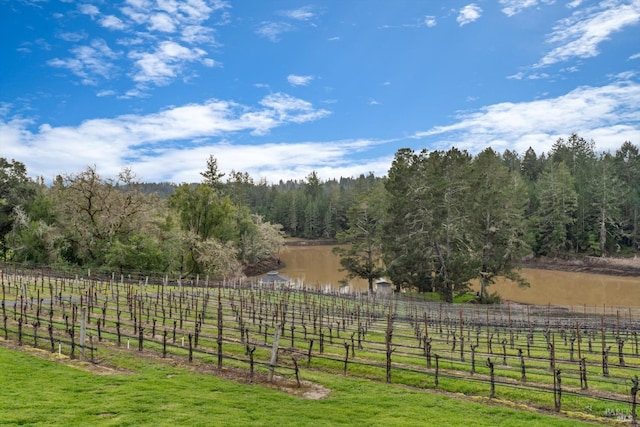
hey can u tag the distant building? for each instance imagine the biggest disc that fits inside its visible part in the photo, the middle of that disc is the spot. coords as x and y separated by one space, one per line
274 279
383 287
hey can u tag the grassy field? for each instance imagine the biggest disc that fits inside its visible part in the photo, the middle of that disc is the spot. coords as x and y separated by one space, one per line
141 391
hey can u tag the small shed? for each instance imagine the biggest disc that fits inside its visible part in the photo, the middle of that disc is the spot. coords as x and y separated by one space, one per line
383 287
274 279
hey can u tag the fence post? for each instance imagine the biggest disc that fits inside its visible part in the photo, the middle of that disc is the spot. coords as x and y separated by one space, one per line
557 389
274 353
634 396
492 391
309 353
436 381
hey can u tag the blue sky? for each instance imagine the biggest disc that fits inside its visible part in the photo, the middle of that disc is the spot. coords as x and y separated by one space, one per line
281 88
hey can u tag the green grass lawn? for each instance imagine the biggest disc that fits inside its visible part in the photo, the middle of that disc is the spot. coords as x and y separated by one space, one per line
37 391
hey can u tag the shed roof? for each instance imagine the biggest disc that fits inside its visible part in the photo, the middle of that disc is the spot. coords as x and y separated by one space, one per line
274 277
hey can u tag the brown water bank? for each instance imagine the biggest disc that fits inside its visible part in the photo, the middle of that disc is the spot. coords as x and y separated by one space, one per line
626 267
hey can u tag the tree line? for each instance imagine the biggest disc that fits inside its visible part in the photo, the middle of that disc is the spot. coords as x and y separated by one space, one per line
113 225
437 220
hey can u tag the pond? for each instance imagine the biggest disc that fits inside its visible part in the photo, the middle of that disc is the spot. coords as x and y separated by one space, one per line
318 266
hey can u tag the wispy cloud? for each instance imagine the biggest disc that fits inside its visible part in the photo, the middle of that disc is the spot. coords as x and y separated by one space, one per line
273 30
580 35
426 21
73 36
469 14
295 80
609 114
528 76
301 14
513 7
112 22
89 9
165 63
89 62
430 21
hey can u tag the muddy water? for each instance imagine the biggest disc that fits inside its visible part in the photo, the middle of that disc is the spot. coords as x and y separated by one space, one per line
317 265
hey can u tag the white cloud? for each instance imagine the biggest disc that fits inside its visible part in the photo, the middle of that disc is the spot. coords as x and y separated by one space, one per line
295 80
580 35
73 36
513 7
608 114
152 52
162 22
112 22
575 3
165 63
301 14
635 56
196 34
89 61
273 30
5 107
105 92
89 9
430 21
152 144
469 14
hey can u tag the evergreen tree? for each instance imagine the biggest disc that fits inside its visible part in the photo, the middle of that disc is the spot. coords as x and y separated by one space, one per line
497 209
556 210
363 257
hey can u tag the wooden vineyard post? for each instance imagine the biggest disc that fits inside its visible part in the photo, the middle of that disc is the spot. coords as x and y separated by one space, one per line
164 344
583 374
388 336
353 345
50 330
297 370
427 351
346 357
620 342
461 337
473 358
20 331
557 389
634 397
251 363
309 353
83 330
219 340
140 338
435 380
504 351
605 368
492 377
274 354
523 371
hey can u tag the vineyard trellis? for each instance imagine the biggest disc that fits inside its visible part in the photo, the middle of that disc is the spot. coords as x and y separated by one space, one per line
582 362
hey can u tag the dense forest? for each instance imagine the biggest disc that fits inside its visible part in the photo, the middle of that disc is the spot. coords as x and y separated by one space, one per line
437 220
